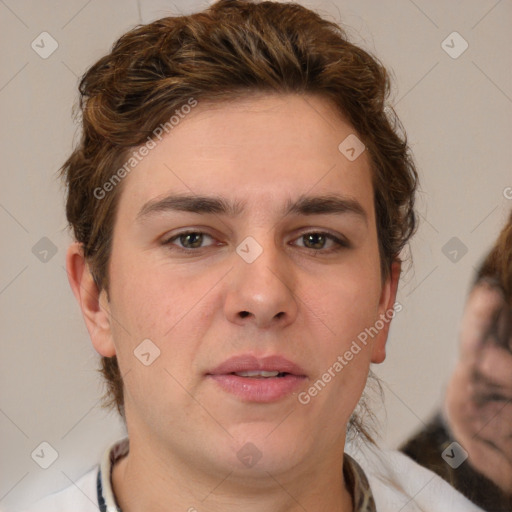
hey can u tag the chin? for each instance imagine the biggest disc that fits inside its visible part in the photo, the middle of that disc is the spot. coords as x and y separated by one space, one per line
267 447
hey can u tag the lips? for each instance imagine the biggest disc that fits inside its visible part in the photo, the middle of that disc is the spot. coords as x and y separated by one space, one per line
249 363
253 379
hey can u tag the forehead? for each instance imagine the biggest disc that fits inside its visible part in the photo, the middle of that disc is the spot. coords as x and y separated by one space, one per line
267 148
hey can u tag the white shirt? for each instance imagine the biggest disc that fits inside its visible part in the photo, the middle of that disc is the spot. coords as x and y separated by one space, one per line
397 483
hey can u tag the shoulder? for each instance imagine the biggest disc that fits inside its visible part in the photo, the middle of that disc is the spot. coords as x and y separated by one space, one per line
82 496
92 492
399 483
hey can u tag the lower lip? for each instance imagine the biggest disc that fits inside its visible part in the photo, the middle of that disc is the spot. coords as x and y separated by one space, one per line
267 389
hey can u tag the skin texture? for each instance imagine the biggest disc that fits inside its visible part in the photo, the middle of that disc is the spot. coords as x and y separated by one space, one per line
479 396
304 302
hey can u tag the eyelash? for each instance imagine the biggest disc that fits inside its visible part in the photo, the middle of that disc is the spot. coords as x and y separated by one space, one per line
340 242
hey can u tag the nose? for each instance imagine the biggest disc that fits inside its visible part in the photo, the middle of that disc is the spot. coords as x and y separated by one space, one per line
261 292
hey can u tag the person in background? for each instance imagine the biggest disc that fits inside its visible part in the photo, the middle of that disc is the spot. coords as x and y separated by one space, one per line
477 409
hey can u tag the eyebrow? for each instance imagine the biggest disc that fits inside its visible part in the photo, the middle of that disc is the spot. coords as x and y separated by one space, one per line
304 205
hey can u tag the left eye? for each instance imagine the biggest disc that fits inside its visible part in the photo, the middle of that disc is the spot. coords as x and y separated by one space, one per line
189 240
317 240
314 240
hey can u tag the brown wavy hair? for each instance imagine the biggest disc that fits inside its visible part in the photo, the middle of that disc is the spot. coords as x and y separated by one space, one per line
497 265
232 49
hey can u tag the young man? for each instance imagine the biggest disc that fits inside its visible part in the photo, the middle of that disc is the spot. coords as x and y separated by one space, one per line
477 410
239 200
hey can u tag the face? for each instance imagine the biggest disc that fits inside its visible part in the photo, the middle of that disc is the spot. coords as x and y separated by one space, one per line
479 395
275 270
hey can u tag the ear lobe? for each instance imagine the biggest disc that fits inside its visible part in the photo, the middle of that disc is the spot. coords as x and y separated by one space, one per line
92 300
386 304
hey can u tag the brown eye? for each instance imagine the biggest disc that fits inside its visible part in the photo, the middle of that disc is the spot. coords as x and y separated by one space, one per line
191 240
188 240
314 240
319 241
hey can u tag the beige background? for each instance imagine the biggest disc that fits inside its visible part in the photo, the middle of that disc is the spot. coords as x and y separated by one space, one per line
458 116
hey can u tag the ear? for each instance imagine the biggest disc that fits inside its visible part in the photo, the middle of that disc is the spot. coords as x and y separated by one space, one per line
93 301
386 311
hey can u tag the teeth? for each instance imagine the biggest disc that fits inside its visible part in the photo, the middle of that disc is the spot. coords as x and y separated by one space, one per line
257 373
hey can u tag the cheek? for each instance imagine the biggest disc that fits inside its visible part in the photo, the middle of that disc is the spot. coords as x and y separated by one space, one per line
143 294
349 301
155 335
153 302
349 311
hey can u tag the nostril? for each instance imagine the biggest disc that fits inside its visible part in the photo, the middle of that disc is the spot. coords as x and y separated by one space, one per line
243 314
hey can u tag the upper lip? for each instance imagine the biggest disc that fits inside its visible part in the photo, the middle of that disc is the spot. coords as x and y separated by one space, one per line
248 362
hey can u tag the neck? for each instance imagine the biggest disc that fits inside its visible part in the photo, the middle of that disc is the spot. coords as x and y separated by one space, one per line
147 480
